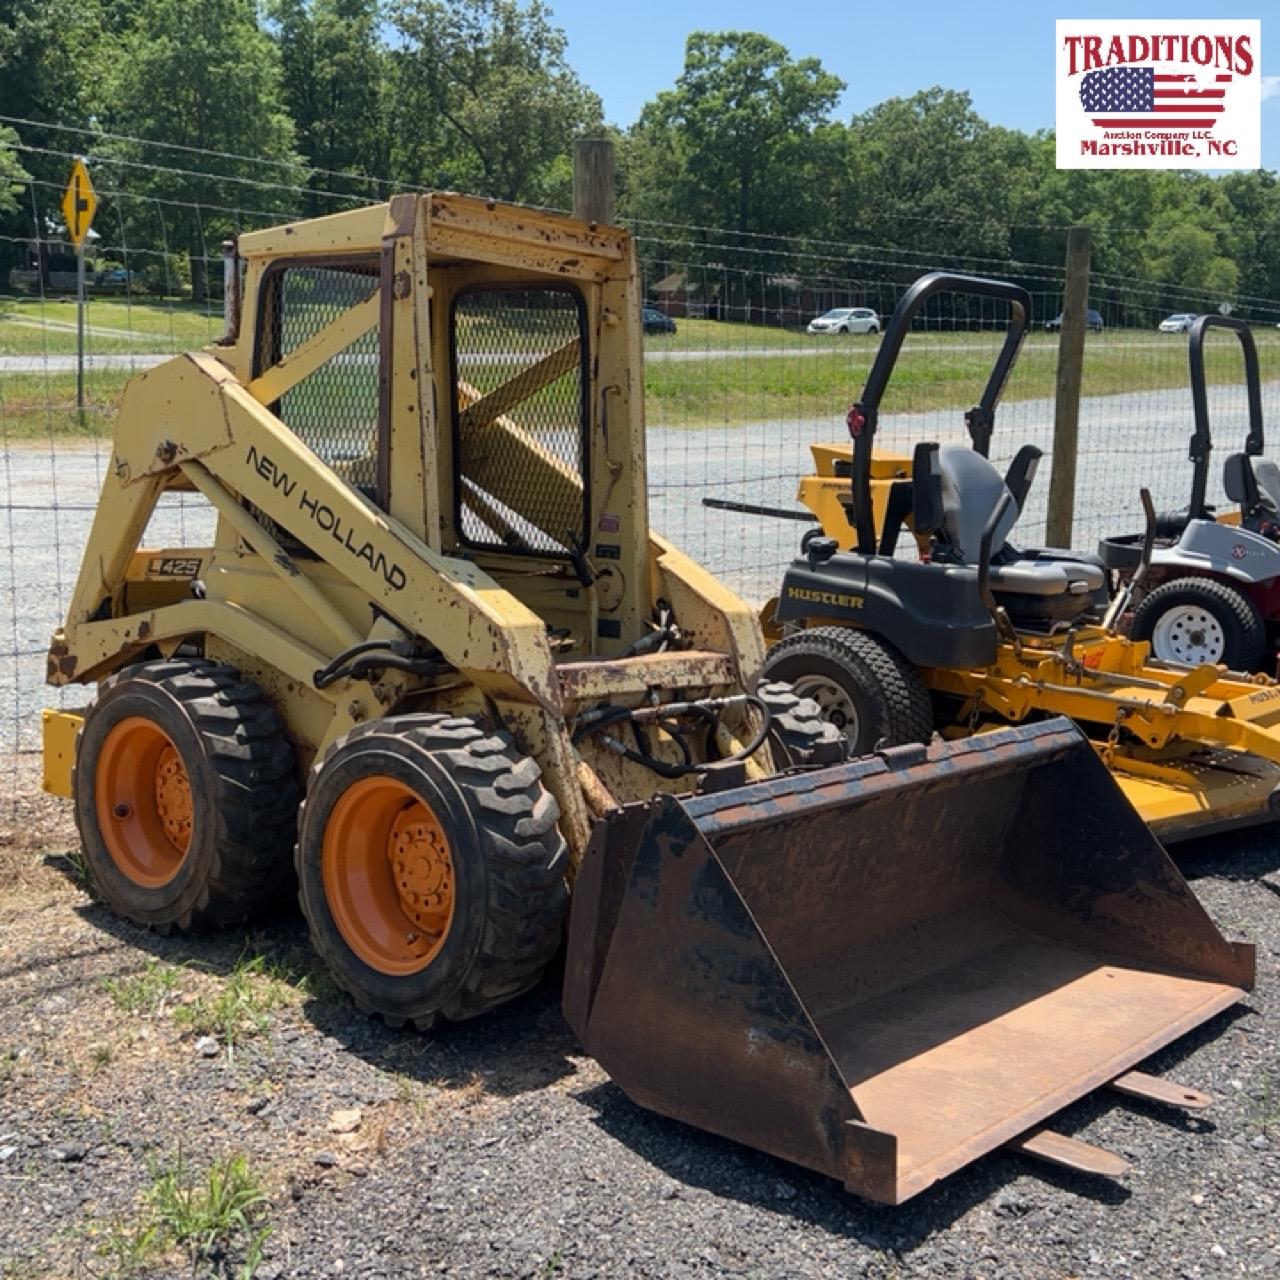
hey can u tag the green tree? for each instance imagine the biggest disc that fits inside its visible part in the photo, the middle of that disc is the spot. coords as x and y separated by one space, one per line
13 177
203 76
740 140
484 97
49 71
334 82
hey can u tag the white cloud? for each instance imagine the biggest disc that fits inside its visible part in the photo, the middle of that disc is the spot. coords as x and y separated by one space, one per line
1270 87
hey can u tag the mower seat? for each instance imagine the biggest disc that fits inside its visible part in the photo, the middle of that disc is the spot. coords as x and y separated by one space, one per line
1033 588
971 488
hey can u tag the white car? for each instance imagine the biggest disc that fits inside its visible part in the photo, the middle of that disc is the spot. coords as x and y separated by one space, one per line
1180 323
846 320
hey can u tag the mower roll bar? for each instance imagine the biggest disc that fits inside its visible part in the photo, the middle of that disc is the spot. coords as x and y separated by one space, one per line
1201 440
979 420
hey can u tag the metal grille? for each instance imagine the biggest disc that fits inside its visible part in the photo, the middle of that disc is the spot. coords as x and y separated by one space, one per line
334 410
520 420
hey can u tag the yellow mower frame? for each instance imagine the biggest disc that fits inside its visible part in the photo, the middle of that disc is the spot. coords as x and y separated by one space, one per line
1195 750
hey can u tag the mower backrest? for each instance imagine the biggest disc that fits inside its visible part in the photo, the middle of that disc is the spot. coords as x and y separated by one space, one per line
1242 479
1267 474
971 488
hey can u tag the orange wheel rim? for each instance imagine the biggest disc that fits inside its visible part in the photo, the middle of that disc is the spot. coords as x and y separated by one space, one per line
388 875
144 805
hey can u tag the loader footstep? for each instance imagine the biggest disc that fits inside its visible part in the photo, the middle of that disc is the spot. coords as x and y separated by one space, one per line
1069 1153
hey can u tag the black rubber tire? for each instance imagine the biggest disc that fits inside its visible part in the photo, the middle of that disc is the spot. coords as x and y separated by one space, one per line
1243 631
888 696
509 862
244 789
798 735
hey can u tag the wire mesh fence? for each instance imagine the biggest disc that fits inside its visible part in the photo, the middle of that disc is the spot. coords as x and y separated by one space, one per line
740 381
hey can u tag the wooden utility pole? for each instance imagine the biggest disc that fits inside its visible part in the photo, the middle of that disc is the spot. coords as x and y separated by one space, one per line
1066 414
593 179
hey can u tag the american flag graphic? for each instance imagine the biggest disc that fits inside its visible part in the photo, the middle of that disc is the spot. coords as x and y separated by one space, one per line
1120 97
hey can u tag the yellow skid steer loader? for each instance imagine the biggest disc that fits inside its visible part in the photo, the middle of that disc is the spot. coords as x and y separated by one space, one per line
434 649
980 632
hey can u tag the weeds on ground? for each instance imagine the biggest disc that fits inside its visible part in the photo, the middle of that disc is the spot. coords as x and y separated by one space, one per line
147 992
208 1218
241 1007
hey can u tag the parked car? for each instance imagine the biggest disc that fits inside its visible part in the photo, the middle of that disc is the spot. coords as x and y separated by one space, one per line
1179 323
846 320
1092 321
656 322
115 279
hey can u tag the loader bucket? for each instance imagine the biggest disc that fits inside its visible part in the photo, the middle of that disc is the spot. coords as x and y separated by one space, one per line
884 969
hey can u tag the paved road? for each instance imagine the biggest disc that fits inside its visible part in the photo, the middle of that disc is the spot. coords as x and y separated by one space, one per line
47 497
679 355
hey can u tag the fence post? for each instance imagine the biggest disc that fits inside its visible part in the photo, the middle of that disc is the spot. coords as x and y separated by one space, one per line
1066 413
593 179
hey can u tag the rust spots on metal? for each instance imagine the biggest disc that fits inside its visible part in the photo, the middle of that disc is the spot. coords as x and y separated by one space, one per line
885 969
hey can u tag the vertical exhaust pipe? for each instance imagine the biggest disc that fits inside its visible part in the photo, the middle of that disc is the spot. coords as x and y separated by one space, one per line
230 294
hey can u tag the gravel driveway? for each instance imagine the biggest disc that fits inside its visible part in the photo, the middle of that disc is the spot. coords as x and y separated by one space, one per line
496 1149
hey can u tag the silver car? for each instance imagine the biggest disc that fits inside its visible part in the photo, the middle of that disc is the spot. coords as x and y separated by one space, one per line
1180 323
846 320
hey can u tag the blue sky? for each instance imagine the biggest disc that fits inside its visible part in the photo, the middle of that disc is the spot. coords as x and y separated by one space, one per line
1002 53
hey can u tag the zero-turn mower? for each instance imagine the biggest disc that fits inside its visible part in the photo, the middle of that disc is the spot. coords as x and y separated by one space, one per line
1211 589
435 650
979 633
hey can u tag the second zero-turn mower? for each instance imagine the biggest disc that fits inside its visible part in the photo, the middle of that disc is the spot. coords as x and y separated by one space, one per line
978 633
435 664
1211 590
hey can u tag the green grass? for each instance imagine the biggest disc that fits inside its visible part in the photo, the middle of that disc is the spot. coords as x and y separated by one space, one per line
208 1217
936 371
147 992
35 326
750 389
241 1006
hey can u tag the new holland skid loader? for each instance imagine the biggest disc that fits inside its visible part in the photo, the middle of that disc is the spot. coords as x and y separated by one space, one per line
434 649
979 633
1211 589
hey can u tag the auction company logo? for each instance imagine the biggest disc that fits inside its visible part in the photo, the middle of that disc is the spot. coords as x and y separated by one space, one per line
1149 94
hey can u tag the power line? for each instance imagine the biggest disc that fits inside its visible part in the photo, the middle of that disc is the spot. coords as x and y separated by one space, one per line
206 151
187 173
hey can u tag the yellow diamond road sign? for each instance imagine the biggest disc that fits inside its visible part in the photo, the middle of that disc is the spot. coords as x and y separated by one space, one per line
79 204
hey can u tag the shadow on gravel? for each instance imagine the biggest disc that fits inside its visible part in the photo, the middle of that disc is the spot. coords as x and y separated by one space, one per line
727 1169
1234 855
517 1048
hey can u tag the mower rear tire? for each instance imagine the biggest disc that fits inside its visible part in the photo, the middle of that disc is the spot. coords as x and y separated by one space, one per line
862 684
1198 620
431 868
185 793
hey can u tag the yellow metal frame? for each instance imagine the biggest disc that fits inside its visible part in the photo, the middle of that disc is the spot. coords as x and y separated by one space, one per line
203 423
